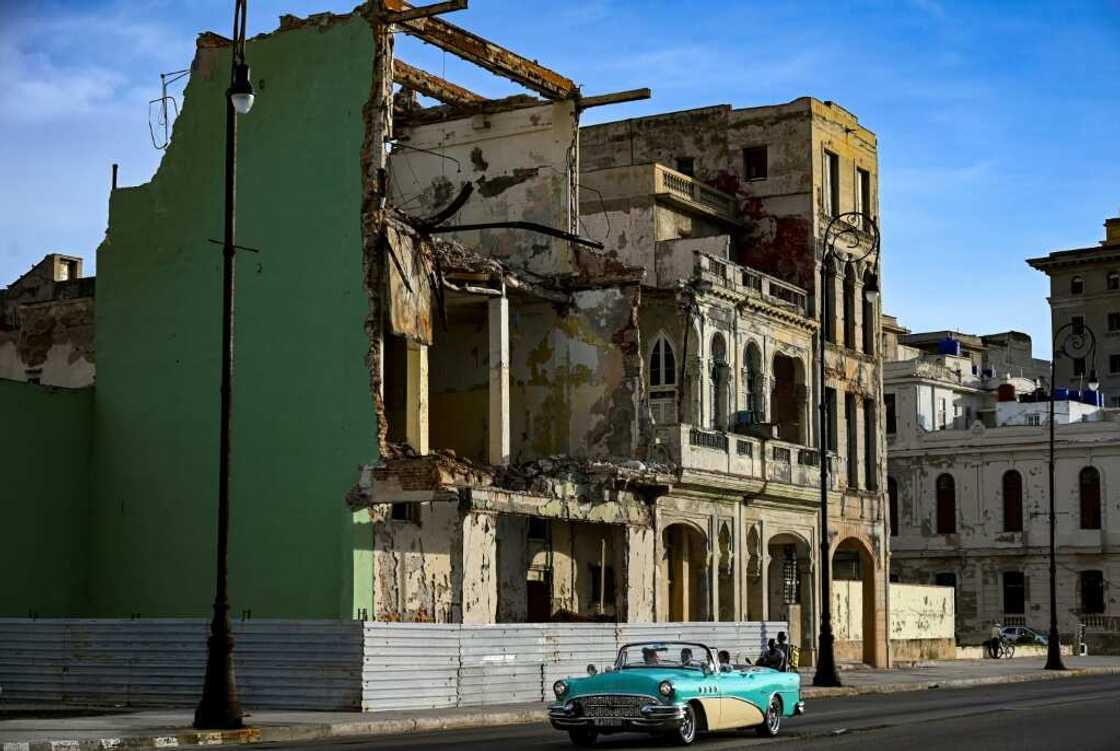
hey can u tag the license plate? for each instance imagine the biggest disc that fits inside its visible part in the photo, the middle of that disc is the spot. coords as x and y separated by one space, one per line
610 722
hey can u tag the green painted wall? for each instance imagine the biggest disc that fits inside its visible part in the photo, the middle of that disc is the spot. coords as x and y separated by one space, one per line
44 463
304 418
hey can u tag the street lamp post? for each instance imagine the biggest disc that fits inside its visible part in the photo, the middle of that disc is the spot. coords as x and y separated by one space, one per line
219 709
841 227
1072 340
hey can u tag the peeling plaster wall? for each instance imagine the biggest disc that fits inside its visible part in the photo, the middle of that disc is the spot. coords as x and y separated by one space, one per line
50 340
458 382
575 376
518 162
413 564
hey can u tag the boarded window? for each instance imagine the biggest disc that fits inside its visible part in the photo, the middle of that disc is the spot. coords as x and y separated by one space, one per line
754 163
1014 593
1090 487
1092 592
1012 501
946 505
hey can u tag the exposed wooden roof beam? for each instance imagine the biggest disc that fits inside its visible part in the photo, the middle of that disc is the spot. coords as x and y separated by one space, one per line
425 11
486 54
433 86
633 95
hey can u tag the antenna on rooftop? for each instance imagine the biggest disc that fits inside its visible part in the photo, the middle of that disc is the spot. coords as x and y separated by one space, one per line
163 110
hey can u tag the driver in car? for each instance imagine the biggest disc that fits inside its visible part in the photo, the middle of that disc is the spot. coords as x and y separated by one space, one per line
649 656
686 658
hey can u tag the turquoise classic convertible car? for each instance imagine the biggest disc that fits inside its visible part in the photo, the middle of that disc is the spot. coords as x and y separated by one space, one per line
674 689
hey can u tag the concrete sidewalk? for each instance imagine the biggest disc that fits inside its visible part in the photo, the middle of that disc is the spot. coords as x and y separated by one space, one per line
65 728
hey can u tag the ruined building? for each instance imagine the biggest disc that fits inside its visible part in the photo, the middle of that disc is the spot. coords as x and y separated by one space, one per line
490 366
628 434
968 485
46 325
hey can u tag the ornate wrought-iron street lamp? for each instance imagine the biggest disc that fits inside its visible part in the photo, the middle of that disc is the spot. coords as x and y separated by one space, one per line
219 708
1073 340
840 228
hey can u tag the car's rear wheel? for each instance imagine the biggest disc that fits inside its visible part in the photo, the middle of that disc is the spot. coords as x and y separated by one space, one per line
772 722
584 737
686 733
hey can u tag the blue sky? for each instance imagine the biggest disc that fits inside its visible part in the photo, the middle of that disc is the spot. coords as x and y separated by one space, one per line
997 121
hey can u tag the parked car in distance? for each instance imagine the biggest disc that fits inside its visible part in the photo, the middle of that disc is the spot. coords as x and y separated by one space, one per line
674 689
1023 635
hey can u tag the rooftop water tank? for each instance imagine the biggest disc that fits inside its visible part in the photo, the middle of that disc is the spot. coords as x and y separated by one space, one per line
1005 392
949 346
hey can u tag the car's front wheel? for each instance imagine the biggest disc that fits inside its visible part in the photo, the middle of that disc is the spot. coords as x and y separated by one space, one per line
772 723
583 737
686 732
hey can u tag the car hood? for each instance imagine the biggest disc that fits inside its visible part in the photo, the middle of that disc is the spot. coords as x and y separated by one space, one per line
631 681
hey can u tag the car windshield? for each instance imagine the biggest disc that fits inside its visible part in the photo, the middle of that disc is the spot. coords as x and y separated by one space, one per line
664 654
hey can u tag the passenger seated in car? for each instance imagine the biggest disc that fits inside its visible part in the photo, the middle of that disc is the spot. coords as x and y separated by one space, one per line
649 656
724 659
772 657
686 657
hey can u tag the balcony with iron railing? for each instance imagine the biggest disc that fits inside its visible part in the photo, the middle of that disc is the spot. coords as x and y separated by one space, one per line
723 273
745 456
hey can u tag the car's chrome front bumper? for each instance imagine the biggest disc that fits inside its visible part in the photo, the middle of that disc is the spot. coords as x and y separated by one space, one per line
654 718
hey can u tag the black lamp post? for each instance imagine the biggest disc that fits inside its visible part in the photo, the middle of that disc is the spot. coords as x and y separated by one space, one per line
219 708
1072 340
840 228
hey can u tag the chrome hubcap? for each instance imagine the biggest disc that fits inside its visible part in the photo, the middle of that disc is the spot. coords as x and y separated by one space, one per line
687 725
774 721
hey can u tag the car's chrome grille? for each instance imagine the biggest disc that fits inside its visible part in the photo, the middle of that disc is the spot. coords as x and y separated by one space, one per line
607 705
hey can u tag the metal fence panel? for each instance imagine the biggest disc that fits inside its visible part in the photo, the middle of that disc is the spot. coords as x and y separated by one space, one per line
328 665
161 662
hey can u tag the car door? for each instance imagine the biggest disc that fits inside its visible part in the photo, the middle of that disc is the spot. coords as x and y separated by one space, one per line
739 693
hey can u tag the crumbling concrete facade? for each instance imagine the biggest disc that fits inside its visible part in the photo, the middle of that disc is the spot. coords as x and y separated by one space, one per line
968 490
46 325
621 432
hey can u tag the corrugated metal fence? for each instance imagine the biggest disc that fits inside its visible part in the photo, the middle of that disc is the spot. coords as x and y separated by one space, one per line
327 665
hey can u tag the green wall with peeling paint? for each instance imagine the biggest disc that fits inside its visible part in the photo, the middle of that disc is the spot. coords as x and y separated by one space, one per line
303 415
44 462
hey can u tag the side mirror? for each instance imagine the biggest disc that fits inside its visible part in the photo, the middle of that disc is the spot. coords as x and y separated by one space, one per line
591 670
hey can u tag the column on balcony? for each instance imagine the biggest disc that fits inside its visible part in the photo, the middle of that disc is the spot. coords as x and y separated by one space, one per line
416 397
499 435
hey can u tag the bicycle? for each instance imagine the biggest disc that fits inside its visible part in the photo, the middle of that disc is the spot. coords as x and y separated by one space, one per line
1001 649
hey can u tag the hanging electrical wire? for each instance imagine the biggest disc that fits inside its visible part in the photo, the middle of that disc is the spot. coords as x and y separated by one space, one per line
165 109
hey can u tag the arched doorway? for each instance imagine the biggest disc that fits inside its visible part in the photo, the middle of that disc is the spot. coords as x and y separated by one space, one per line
854 602
685 572
788 398
790 587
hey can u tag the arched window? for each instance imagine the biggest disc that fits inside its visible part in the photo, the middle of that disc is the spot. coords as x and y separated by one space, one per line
850 307
719 381
892 506
946 505
663 382
1114 280
1077 286
1012 501
1089 481
752 382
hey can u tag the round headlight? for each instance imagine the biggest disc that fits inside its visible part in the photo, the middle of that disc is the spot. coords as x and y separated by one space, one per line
665 688
559 688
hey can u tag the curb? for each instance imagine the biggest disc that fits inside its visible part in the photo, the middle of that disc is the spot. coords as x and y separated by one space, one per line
464 721
812 692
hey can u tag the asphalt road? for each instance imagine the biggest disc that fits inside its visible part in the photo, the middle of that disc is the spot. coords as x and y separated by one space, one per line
1064 715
